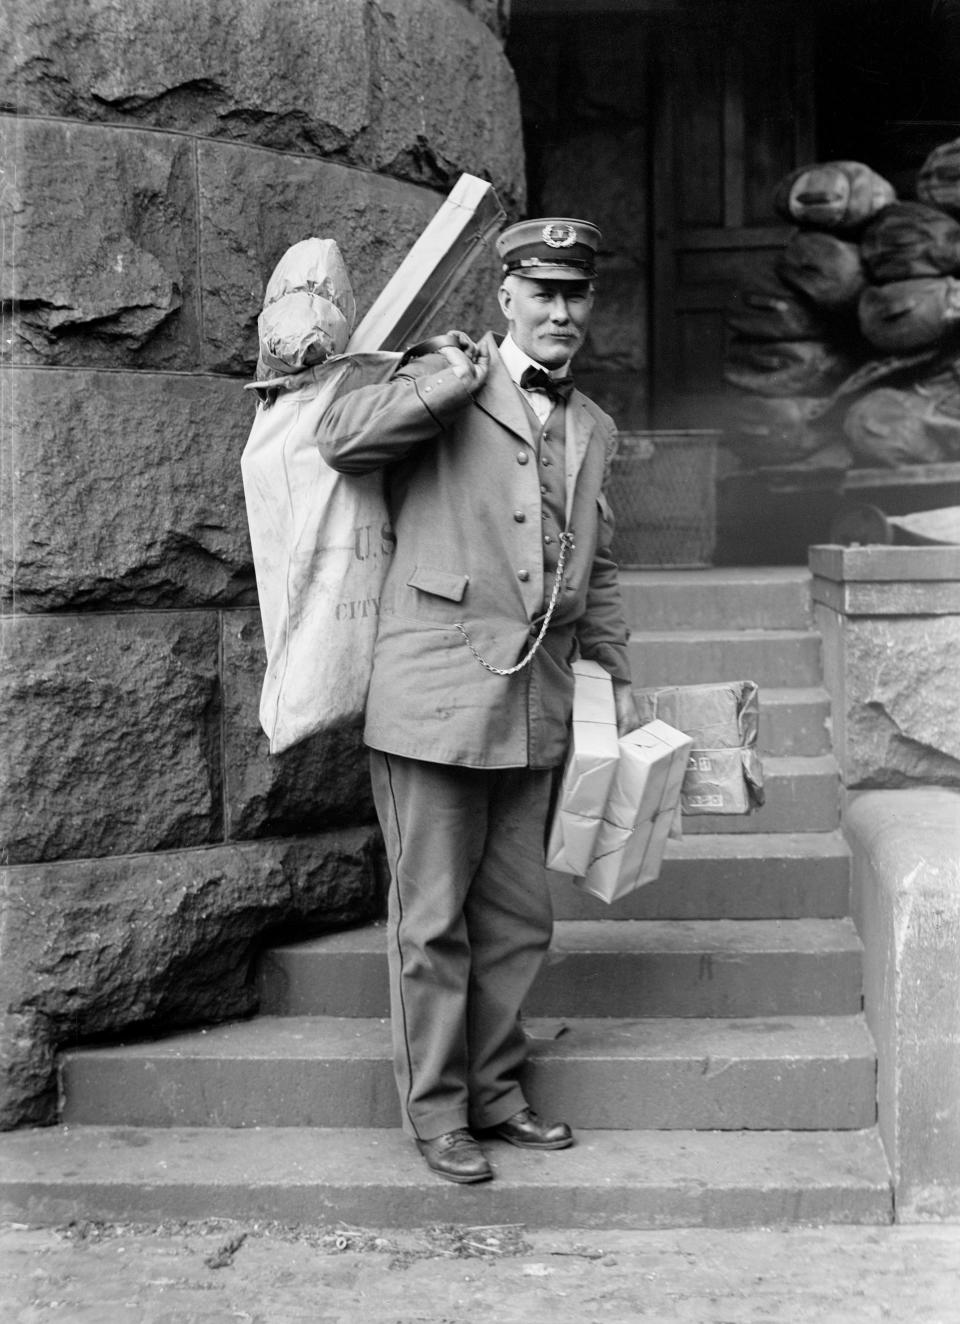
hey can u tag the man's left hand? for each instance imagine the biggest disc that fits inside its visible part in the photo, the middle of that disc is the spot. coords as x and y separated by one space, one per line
470 361
628 719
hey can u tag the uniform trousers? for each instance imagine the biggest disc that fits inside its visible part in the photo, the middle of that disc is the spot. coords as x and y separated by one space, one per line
469 922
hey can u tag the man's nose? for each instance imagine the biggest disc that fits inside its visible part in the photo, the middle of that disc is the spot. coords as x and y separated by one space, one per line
558 309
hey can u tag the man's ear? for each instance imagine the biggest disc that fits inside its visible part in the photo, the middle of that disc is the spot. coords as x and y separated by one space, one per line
506 301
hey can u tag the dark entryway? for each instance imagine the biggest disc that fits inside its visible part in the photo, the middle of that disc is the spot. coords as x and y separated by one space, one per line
669 122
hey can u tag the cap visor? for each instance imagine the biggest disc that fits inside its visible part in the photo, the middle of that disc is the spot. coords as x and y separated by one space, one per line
552 273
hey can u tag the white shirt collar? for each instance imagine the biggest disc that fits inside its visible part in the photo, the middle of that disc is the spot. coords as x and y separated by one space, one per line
515 361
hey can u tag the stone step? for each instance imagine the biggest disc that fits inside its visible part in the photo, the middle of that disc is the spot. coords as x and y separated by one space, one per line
730 876
376 1178
808 1073
802 795
722 598
783 659
794 722
717 968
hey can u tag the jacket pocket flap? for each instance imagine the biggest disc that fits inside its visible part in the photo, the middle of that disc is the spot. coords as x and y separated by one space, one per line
440 582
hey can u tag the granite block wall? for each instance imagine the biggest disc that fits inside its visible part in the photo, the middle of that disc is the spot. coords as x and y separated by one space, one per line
156 159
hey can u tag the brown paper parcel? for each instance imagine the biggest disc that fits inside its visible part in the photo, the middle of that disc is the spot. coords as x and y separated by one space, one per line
589 772
724 772
639 812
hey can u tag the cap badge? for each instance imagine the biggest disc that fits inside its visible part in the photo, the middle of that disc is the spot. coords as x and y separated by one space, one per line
559 236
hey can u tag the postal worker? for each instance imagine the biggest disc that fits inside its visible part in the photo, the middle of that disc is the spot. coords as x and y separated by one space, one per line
494 467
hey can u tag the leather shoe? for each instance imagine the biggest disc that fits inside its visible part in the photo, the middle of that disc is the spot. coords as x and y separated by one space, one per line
456 1156
527 1130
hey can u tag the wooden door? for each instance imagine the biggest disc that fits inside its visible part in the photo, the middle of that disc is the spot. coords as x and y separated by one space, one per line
733 112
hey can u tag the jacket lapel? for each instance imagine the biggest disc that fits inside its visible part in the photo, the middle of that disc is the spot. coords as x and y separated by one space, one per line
579 430
499 397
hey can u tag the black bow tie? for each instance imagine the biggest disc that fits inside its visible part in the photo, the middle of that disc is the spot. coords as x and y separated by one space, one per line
535 379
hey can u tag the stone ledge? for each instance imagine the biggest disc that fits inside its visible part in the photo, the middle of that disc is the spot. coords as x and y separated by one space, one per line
885 564
912 597
906 904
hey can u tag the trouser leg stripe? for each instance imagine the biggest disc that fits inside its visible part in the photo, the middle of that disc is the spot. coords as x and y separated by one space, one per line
395 937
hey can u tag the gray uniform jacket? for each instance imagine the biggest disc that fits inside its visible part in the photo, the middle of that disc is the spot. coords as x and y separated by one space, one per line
462 484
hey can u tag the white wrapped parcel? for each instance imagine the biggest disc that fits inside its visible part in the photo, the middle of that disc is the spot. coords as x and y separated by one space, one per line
588 773
639 811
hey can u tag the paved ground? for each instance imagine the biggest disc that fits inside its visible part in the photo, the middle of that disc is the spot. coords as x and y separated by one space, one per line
213 1272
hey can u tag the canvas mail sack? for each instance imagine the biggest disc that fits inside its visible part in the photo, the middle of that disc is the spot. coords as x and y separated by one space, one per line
767 309
785 367
828 270
909 239
938 179
321 541
910 314
832 195
766 429
888 428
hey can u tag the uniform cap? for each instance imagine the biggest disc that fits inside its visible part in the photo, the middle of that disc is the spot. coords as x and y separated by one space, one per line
550 248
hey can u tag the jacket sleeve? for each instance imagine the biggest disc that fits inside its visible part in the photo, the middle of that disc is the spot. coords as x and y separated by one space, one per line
373 426
602 629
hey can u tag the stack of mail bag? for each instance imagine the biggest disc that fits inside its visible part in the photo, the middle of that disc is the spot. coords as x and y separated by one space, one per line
845 353
618 800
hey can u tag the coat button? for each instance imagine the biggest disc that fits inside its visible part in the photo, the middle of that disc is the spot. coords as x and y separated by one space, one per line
519 516
522 457
523 575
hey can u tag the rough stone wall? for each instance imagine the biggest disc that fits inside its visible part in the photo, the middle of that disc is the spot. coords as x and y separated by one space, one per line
157 159
890 622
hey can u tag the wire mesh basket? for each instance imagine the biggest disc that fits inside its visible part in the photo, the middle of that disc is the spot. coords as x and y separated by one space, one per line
663 492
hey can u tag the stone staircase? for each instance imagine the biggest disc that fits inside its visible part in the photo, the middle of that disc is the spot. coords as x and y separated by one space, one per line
704 1036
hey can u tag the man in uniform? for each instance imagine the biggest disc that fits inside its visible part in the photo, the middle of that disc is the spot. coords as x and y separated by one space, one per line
493 466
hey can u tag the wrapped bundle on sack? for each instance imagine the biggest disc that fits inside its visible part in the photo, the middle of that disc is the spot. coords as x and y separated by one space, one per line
832 195
910 239
589 771
938 179
888 427
910 314
724 773
308 311
828 270
639 813
785 367
767 309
